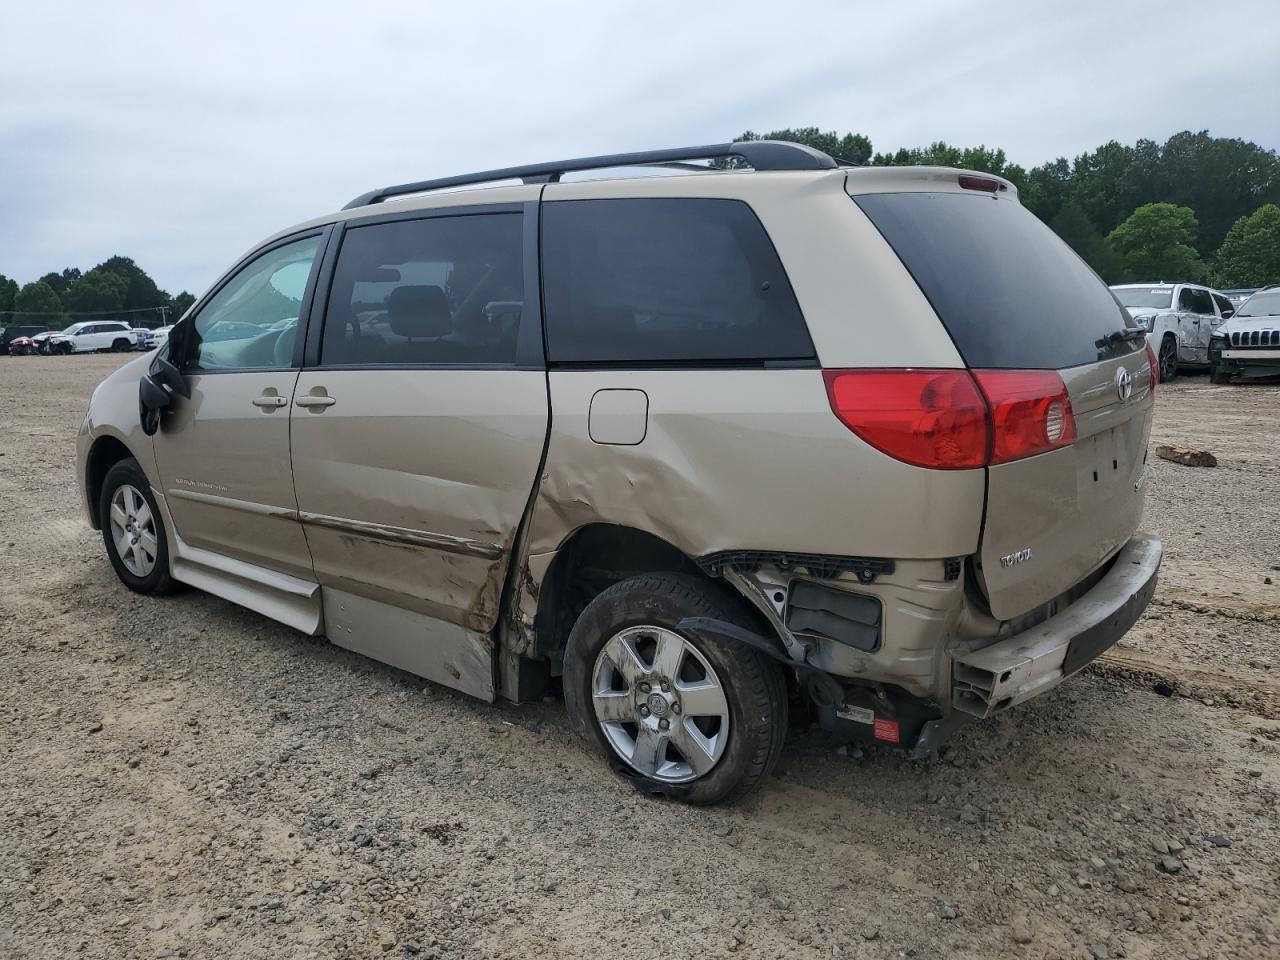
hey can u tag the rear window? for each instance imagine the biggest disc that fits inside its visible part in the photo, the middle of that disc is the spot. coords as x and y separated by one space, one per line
663 281
1159 298
1010 293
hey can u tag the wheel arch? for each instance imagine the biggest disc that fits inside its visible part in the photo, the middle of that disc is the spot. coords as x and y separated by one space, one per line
105 452
594 557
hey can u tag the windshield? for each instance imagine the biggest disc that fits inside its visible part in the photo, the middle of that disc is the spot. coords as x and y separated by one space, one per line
1261 305
1159 298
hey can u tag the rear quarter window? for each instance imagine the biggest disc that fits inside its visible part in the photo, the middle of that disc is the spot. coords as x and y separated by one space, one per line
1009 292
665 281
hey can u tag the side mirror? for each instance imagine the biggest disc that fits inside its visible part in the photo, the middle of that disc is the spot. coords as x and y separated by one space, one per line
153 400
165 374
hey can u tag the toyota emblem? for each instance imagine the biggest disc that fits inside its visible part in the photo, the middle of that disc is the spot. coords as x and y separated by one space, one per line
1124 384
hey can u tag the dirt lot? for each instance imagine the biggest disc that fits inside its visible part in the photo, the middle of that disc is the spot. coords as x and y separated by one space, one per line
179 777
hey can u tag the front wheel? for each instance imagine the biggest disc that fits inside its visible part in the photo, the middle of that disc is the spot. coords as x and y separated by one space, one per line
694 718
1168 359
133 530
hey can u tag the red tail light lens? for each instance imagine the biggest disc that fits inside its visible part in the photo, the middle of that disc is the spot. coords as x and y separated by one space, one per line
970 182
954 419
1154 364
1030 412
929 418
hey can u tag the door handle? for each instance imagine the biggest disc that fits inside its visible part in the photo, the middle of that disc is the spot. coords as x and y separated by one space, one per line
269 400
311 400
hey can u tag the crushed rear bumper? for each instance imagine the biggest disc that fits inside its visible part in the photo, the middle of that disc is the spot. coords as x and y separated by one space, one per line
1027 664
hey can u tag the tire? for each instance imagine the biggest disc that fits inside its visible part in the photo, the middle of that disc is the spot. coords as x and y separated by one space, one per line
1167 359
65 349
121 346
747 686
145 526
1218 375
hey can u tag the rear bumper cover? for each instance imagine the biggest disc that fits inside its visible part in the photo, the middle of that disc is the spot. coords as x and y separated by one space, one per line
1028 664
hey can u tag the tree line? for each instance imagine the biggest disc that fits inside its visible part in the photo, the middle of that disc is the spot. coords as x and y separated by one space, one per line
116 289
1196 208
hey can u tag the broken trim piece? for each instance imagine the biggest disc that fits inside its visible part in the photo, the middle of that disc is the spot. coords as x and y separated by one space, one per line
821 566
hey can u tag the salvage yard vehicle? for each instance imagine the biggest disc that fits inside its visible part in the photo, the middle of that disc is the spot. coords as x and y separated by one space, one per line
21 347
1247 347
1179 318
17 332
91 336
698 445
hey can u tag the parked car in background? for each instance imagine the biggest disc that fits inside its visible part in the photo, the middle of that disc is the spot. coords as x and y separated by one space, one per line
21 347
1179 319
145 338
9 334
94 335
160 335
1247 347
41 341
1239 296
648 434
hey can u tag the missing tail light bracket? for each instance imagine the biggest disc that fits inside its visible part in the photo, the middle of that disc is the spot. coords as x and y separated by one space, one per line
819 566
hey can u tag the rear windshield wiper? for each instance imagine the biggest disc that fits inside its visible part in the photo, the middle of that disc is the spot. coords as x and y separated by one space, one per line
1124 333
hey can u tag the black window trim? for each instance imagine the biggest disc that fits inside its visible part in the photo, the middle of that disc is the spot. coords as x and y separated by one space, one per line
325 232
530 349
811 362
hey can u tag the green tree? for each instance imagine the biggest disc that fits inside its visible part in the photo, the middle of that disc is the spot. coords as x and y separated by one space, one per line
179 305
60 283
1221 179
1157 242
97 291
8 290
142 290
38 298
1073 225
1250 254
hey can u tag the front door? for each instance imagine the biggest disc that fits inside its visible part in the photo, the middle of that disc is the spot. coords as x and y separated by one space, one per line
223 454
417 436
1197 316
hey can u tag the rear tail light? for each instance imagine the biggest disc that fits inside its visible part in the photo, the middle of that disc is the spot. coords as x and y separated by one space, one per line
1154 364
1030 412
954 419
930 418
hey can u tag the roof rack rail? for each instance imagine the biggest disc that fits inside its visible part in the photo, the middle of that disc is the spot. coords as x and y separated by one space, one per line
760 154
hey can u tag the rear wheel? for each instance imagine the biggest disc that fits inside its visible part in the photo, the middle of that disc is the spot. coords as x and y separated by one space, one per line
1168 359
121 346
133 530
694 718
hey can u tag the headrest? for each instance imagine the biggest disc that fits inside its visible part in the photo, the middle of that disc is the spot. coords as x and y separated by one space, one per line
419 311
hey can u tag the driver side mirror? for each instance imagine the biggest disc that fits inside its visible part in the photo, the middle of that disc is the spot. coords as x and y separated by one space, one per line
156 392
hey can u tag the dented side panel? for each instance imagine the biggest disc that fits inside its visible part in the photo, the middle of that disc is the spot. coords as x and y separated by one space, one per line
411 486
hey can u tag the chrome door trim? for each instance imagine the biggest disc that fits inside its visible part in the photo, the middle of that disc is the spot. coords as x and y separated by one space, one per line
406 535
230 503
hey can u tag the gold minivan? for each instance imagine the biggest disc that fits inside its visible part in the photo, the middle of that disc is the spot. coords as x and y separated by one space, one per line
700 444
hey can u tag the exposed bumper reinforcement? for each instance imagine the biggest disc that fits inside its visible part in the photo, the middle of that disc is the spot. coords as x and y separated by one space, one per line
1027 664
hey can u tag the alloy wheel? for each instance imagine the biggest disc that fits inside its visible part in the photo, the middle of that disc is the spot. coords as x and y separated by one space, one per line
660 704
133 530
1168 359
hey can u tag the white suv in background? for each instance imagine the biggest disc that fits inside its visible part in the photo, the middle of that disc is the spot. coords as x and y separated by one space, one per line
94 335
1179 317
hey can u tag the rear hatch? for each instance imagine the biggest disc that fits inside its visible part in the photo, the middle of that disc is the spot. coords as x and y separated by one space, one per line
1013 297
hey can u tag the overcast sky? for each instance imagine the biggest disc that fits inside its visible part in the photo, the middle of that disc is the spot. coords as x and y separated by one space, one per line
181 137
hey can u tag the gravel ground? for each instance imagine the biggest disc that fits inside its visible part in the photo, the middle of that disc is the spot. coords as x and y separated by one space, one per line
179 777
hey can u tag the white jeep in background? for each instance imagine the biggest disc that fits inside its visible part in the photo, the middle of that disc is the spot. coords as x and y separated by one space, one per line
1247 347
92 336
1180 319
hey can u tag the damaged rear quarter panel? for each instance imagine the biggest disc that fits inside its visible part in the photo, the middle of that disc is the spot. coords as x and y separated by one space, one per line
739 459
